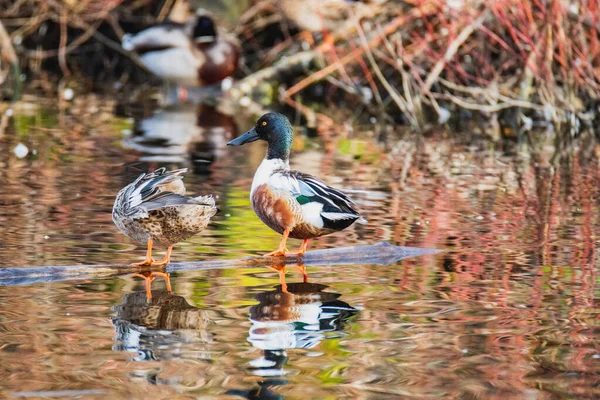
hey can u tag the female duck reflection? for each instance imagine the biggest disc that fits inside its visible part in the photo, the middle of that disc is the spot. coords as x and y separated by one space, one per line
299 317
154 324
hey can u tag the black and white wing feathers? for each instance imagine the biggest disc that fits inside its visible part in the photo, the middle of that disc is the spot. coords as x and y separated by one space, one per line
148 186
337 212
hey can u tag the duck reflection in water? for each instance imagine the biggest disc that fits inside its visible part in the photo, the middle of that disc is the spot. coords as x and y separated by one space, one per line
150 276
156 328
299 317
186 133
281 270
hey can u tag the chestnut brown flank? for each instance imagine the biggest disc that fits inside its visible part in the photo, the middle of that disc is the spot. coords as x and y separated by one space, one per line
272 210
212 72
278 214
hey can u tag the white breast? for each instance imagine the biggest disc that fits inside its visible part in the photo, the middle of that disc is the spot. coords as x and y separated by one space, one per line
265 170
156 36
178 65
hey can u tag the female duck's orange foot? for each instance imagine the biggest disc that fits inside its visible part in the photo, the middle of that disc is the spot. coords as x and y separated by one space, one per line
165 260
149 261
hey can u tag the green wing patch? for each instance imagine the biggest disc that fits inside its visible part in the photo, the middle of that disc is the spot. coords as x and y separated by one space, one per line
303 199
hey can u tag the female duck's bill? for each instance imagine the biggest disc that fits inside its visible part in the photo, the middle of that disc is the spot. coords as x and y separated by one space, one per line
290 202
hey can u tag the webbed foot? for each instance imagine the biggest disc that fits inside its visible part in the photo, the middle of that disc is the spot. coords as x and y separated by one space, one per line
278 253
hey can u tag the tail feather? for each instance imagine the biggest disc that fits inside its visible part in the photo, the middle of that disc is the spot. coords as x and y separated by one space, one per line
207 200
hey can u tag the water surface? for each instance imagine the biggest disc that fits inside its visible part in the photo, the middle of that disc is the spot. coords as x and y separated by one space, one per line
509 311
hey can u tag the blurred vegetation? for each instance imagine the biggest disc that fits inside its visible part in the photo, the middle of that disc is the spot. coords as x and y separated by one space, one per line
510 65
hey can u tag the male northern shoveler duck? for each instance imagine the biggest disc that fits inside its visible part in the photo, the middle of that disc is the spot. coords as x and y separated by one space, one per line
290 202
195 53
154 208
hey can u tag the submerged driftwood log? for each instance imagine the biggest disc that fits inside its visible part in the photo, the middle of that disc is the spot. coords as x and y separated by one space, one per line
381 253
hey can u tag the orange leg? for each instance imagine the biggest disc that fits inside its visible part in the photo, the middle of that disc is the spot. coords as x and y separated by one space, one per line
166 277
165 260
281 251
302 248
281 272
303 270
148 284
149 277
149 260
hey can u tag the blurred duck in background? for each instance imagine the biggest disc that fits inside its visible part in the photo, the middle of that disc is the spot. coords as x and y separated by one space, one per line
194 54
327 16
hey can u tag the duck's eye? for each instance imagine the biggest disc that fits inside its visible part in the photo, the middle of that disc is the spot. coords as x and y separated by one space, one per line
264 123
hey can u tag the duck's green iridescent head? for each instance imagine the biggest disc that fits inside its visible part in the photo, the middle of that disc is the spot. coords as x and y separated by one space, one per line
276 130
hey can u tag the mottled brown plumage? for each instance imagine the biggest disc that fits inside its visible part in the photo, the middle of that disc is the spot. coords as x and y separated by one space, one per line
154 208
327 15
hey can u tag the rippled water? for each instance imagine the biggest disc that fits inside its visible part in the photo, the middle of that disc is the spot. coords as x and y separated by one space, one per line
508 311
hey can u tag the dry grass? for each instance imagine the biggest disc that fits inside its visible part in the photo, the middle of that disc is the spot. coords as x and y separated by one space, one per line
446 55
523 60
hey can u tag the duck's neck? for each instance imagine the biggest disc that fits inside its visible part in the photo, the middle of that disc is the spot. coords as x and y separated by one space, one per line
277 158
266 168
279 148
277 153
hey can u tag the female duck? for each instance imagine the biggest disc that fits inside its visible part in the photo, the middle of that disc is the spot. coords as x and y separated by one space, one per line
328 16
292 203
190 54
154 208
